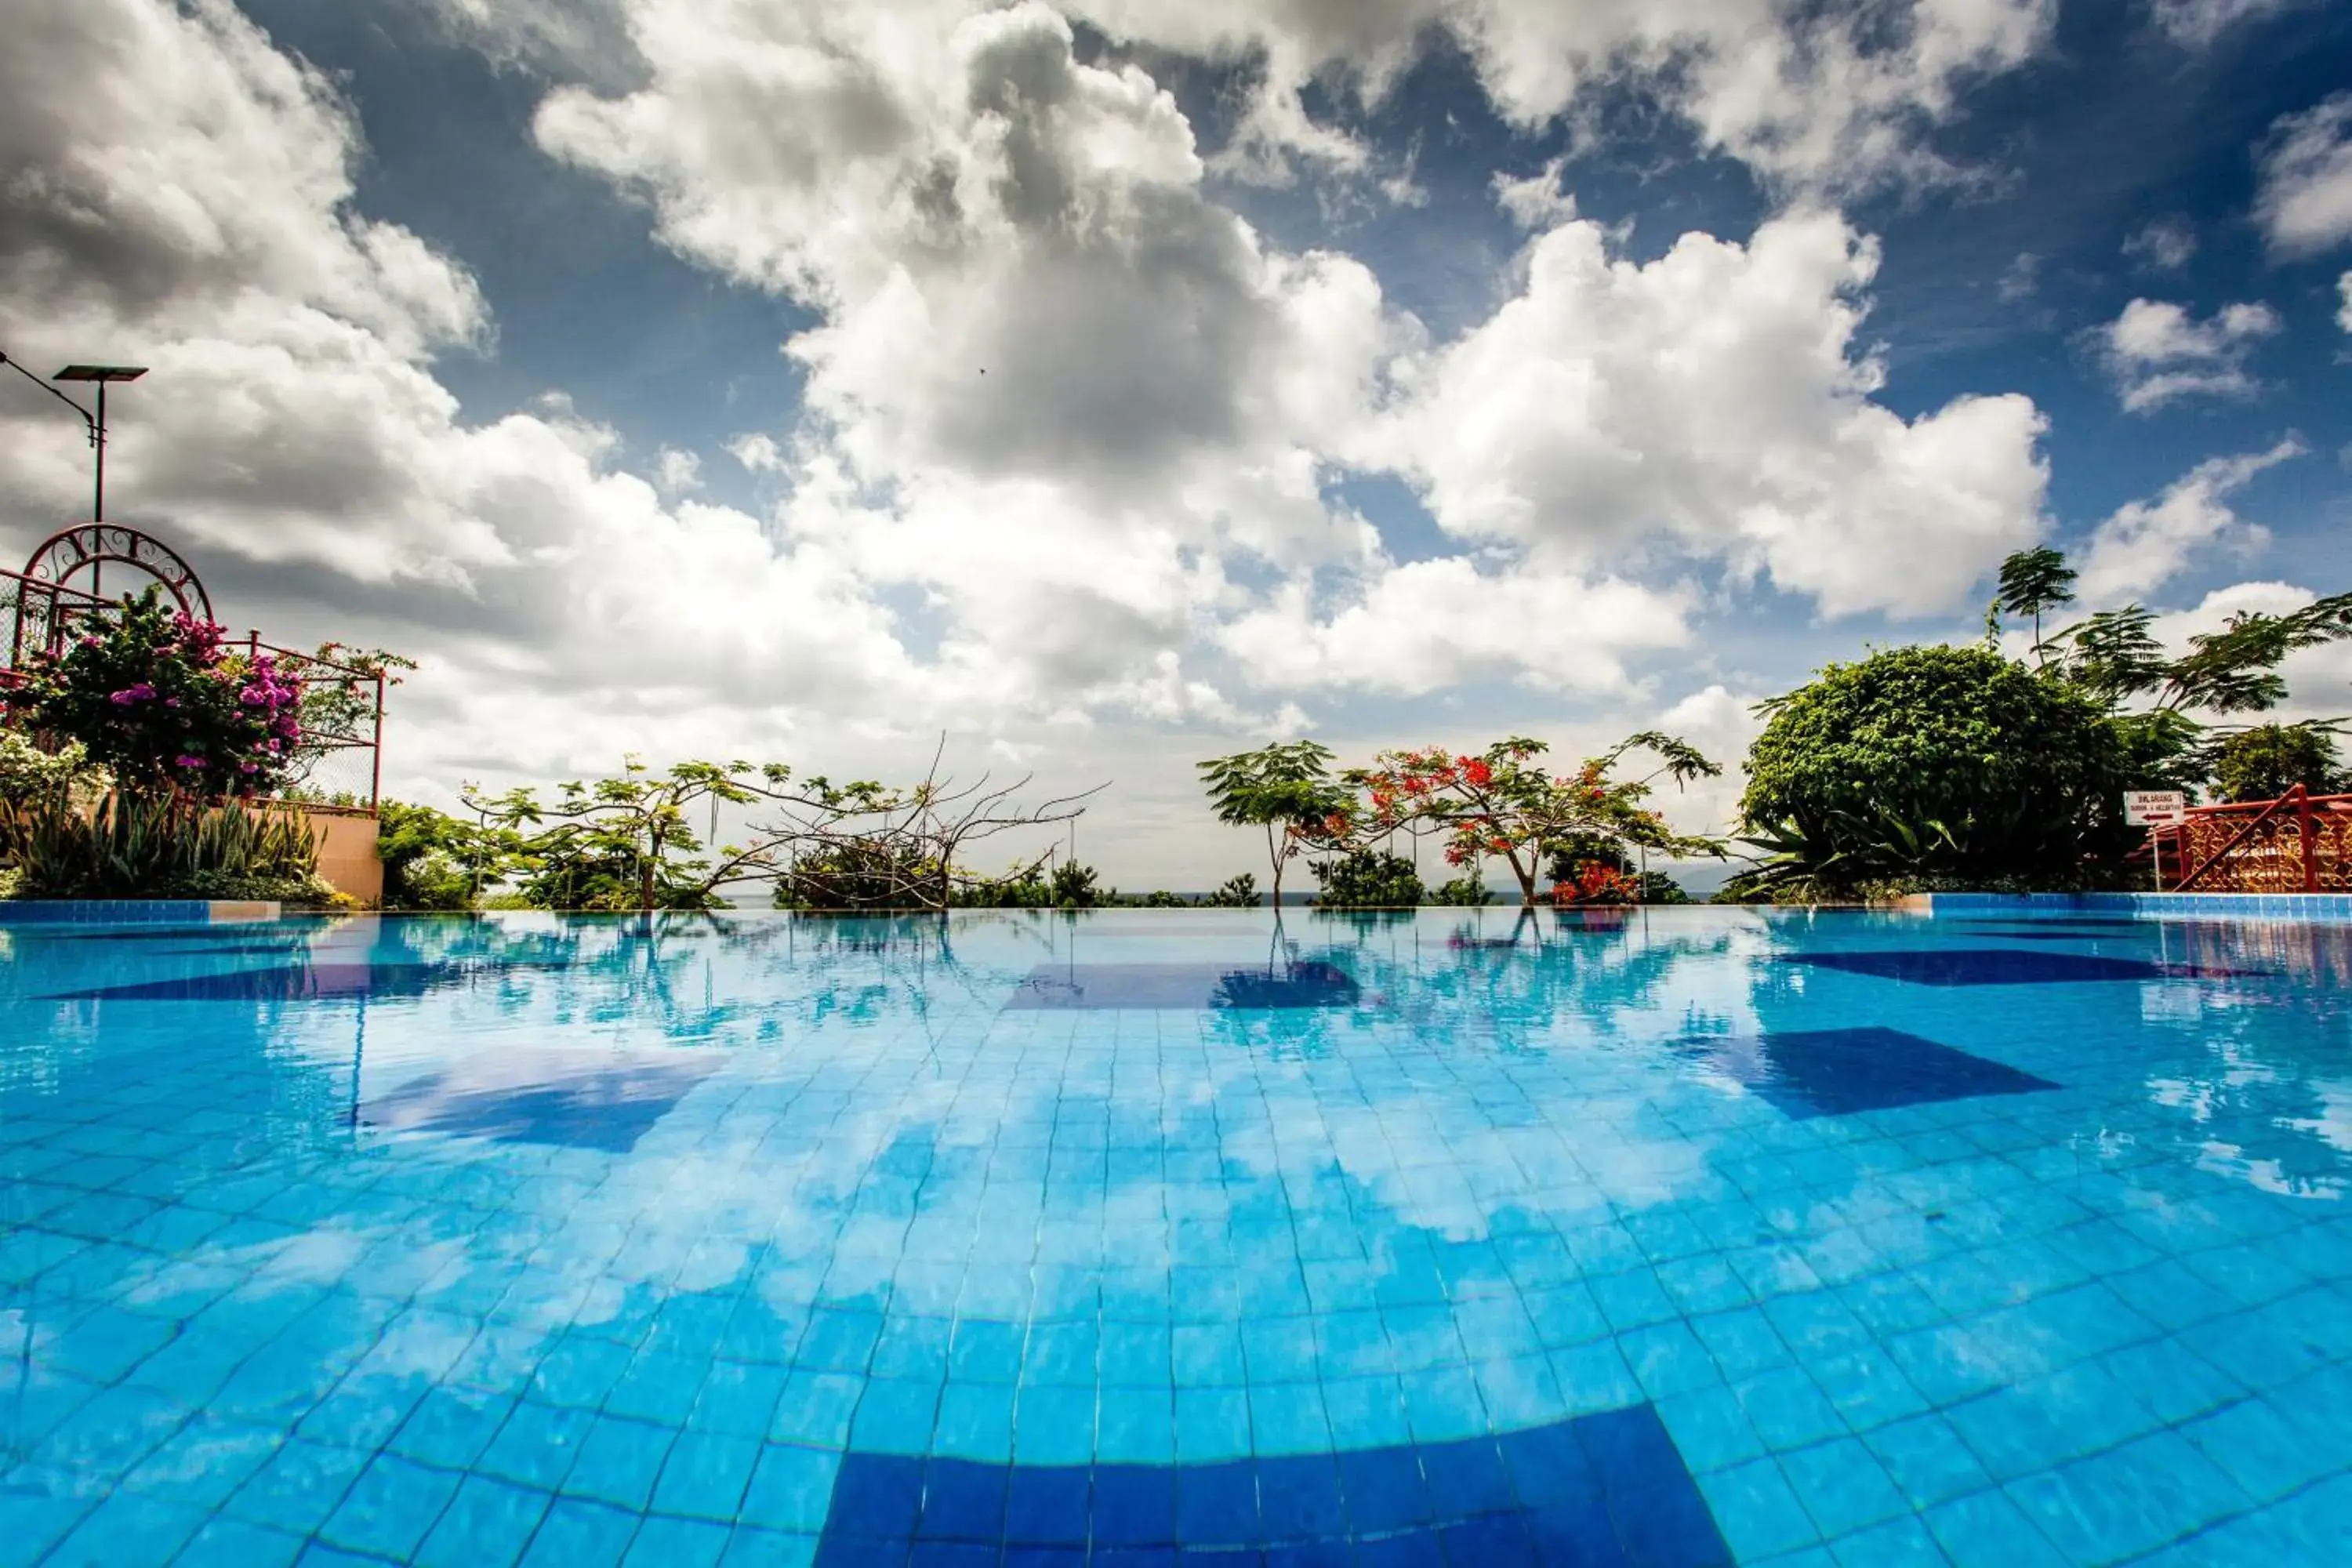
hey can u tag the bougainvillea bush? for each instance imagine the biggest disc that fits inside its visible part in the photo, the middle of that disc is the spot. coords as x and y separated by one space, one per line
158 700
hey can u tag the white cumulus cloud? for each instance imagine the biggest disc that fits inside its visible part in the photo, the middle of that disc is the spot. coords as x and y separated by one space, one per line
1716 403
2146 544
2304 201
2156 352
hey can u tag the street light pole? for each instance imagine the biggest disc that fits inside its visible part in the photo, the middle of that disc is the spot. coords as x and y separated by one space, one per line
95 424
103 374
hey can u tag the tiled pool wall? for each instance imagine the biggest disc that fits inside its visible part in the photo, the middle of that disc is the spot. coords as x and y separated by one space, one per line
2332 907
134 911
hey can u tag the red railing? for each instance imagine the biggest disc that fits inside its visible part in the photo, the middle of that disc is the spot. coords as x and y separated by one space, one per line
343 753
2299 843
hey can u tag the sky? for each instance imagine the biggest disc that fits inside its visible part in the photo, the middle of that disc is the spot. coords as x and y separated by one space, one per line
1107 385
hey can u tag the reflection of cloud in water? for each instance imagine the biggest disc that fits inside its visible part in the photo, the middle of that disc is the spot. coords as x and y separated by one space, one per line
570 1098
882 1148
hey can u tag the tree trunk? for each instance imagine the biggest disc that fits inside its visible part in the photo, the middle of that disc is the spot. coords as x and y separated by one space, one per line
1527 877
1274 853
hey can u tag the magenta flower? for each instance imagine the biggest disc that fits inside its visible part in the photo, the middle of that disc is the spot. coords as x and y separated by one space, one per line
188 762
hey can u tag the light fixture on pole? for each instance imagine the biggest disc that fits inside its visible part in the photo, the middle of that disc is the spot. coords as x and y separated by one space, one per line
104 375
95 423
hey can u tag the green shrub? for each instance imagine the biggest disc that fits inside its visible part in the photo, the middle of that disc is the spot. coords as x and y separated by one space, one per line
30 773
1367 879
1943 763
435 861
1468 891
2267 761
1234 893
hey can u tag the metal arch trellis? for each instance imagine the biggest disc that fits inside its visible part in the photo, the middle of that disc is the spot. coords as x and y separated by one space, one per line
87 547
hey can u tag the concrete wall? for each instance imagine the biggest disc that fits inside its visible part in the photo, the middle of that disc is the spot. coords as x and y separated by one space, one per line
347 851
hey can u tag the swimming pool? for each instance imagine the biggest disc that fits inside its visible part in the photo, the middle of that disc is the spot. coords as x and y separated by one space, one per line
1681 1237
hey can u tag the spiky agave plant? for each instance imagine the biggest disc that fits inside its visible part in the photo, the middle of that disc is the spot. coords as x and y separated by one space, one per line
167 847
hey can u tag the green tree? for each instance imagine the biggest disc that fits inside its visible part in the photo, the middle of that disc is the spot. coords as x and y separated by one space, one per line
2166 705
1075 887
2265 762
1286 789
627 843
1937 762
1468 890
433 860
1367 879
1234 893
2033 582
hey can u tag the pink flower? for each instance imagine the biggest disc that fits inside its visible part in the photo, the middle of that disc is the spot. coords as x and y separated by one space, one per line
186 762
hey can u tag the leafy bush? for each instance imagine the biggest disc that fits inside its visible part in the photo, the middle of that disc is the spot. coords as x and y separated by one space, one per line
435 861
1234 893
1593 868
30 773
1946 762
162 847
2267 761
1075 887
1468 891
1367 879
157 701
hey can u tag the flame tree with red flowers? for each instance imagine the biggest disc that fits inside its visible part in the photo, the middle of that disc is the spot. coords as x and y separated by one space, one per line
1504 802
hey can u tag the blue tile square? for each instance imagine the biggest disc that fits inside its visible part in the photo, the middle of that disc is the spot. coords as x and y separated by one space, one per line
1807 1073
1048 1505
1134 1506
963 1502
665 1542
487 1525
577 1533
1384 1490
1217 1504
706 1475
878 1497
1466 1479
1299 1498
618 1463
389 1508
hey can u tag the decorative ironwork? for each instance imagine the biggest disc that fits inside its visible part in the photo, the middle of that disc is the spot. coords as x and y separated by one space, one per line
87 547
2299 843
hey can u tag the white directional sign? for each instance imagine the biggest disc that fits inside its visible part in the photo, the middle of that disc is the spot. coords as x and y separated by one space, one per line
2154 807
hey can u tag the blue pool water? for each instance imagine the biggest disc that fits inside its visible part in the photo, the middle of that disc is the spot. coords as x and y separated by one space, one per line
1693 1238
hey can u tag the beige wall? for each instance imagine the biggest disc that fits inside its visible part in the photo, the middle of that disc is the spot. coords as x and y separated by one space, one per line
347 852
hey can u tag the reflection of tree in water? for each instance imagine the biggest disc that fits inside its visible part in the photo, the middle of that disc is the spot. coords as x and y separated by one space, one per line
1505 985
2261 1076
2250 1077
